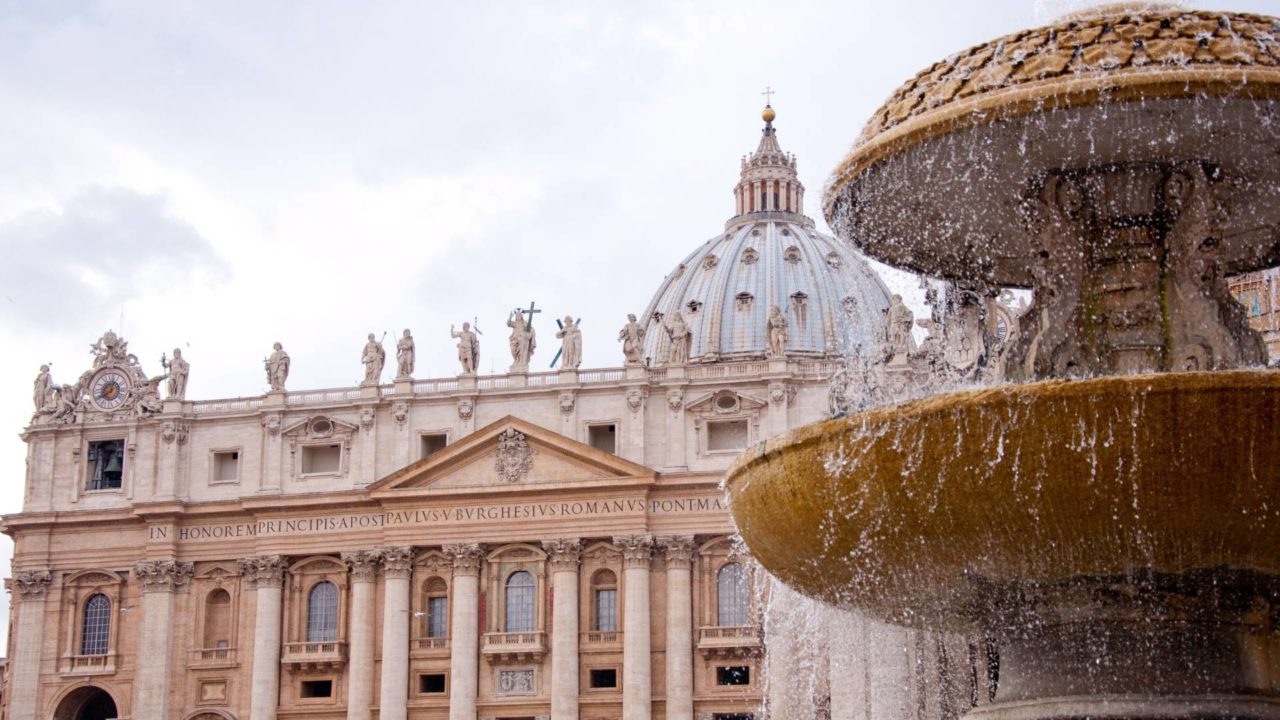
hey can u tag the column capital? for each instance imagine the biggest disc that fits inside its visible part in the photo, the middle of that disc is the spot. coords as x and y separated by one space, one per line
563 554
263 570
636 549
163 575
677 550
31 584
362 564
465 557
397 561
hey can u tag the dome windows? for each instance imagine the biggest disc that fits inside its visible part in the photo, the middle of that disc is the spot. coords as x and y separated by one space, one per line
792 255
694 306
833 260
743 301
800 308
750 256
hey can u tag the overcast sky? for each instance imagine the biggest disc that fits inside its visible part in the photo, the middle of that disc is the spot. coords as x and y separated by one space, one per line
217 176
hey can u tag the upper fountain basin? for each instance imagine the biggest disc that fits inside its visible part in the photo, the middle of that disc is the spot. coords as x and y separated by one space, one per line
913 511
939 180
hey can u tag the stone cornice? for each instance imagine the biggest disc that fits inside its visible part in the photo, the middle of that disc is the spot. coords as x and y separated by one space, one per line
397 562
465 557
677 550
163 575
563 555
263 570
363 564
637 550
31 584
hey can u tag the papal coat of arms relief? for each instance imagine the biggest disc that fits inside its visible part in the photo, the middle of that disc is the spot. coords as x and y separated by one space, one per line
514 458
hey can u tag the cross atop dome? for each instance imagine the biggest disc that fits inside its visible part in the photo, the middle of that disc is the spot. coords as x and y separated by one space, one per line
769 183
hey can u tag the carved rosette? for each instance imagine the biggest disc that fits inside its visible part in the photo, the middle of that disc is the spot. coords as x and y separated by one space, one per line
31 584
563 555
465 558
271 423
366 418
397 561
635 398
675 399
465 408
677 550
637 550
514 457
400 412
567 401
163 575
263 570
172 431
363 564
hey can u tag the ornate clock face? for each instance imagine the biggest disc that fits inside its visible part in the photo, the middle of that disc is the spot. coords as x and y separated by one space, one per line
110 389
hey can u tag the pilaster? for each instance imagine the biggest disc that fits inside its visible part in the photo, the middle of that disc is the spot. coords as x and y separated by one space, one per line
637 681
160 578
363 565
265 574
677 551
30 588
564 559
397 565
464 659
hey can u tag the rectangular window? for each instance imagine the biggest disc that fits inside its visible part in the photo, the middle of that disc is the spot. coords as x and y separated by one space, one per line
321 459
437 617
106 464
432 684
726 435
606 610
603 437
316 689
433 443
605 678
226 466
733 675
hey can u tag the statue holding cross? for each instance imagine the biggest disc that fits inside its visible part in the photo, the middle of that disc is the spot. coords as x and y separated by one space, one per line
524 339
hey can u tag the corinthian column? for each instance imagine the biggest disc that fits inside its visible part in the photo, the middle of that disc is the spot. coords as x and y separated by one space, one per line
29 590
464 656
266 573
394 698
364 572
677 552
564 557
160 578
637 682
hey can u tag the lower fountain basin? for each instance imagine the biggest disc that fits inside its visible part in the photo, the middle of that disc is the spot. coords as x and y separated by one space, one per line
934 513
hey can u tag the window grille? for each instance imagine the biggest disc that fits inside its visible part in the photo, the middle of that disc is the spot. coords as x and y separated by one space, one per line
322 613
606 610
96 632
437 617
732 599
519 606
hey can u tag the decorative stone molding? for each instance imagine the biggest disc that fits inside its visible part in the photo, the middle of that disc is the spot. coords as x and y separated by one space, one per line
516 682
363 564
465 557
400 412
271 423
677 550
172 431
563 554
465 407
637 550
567 402
514 457
366 418
635 398
163 575
263 570
675 399
397 561
31 584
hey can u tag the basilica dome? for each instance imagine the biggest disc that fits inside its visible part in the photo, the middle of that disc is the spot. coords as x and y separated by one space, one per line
769 255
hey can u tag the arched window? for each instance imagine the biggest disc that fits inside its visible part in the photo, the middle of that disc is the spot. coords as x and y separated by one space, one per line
95 635
322 612
436 601
604 592
519 602
732 598
217 619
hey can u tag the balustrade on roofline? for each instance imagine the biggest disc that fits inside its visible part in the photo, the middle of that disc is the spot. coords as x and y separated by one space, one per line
433 386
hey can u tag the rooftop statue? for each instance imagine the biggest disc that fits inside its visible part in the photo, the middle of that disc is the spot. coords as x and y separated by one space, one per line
277 367
681 339
405 356
374 357
776 329
178 370
468 348
523 340
571 347
632 338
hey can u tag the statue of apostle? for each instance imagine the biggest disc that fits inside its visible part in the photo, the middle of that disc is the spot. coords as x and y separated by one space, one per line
632 338
468 348
277 368
178 369
571 348
681 339
776 336
374 356
523 341
405 357
40 394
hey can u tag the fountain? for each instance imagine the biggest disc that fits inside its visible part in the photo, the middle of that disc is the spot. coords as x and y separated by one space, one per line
1113 524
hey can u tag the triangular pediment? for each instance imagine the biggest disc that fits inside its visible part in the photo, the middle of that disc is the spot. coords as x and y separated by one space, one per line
511 454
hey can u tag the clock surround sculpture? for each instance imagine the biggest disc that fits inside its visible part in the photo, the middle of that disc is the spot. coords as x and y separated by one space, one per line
1113 524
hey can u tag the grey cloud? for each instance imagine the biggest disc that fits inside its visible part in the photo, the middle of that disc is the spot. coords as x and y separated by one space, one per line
102 248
